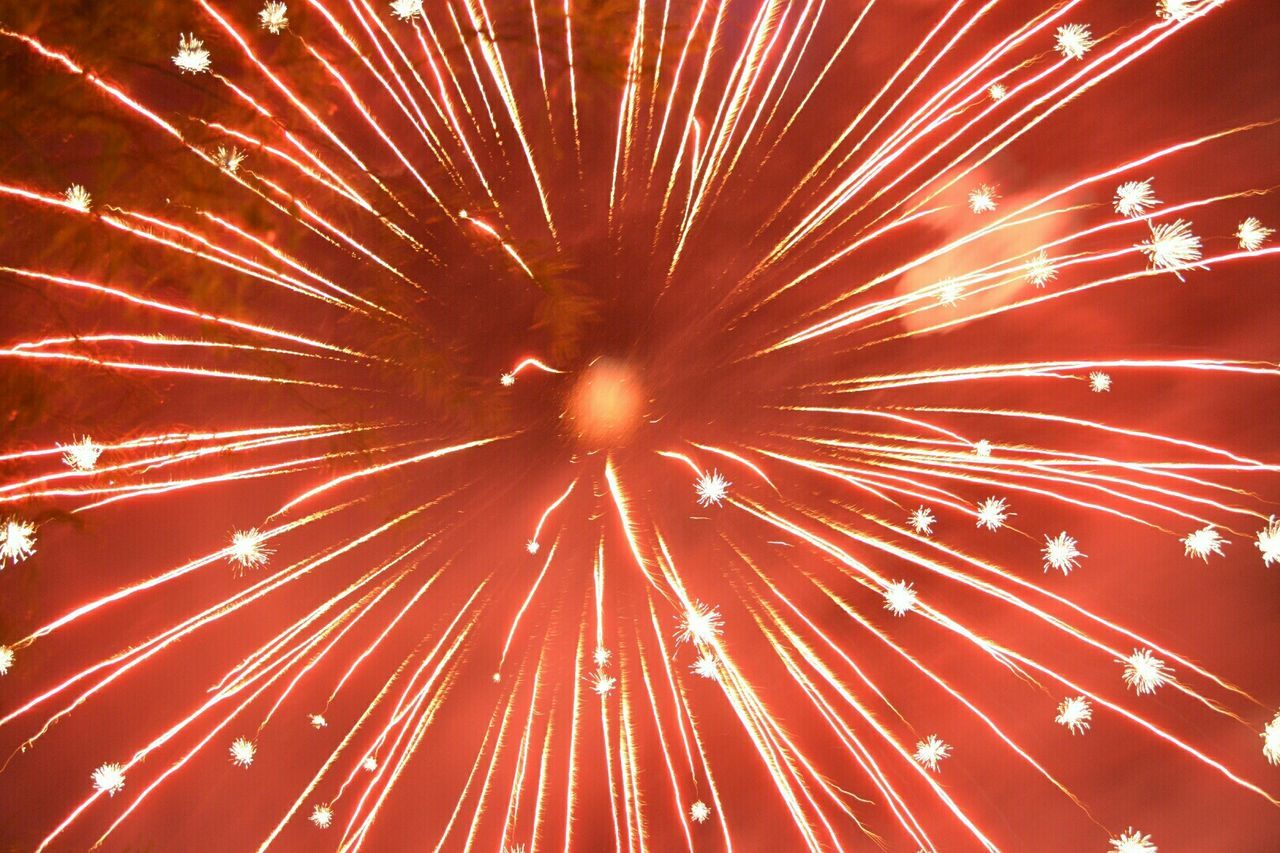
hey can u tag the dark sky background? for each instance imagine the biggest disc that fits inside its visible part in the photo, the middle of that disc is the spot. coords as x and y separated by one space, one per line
603 290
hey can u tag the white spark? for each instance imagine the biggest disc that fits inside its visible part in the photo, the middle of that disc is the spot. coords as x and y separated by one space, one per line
930 751
321 815
982 448
1099 382
602 656
1268 542
81 455
700 811
6 660
1172 246
242 752
700 624
407 10
191 55
950 291
78 197
1271 740
109 778
603 684
711 488
1174 10
248 550
1134 198
705 666
1132 841
532 546
993 512
507 379
1061 553
1252 234
1075 713
921 521
229 158
18 541
370 764
1203 542
1041 270
983 199
997 92
274 17
899 597
1144 672
317 720
1073 41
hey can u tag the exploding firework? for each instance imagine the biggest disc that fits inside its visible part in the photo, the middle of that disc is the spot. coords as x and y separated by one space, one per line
551 424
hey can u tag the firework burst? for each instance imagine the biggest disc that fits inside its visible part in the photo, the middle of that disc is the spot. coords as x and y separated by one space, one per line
547 424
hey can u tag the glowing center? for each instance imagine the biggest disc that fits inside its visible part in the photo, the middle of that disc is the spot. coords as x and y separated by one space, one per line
606 404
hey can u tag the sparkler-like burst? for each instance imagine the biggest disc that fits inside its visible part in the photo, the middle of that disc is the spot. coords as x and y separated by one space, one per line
455 312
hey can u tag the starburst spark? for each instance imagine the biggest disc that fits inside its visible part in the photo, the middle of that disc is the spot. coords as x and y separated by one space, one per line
1073 41
78 197
191 56
6 660
1134 198
1041 269
109 779
242 752
18 541
229 158
1172 246
700 624
1132 841
993 513
1203 542
81 455
711 488
699 812
407 10
983 199
321 815
1099 381
274 17
930 751
1074 713
705 666
602 684
1271 740
248 549
1251 234
899 598
1144 672
1268 542
1061 553
922 520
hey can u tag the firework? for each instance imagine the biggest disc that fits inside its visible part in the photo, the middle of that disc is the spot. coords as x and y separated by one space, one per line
543 424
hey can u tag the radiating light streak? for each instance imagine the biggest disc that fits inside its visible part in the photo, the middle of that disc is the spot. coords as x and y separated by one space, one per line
537 530
533 590
172 309
378 469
